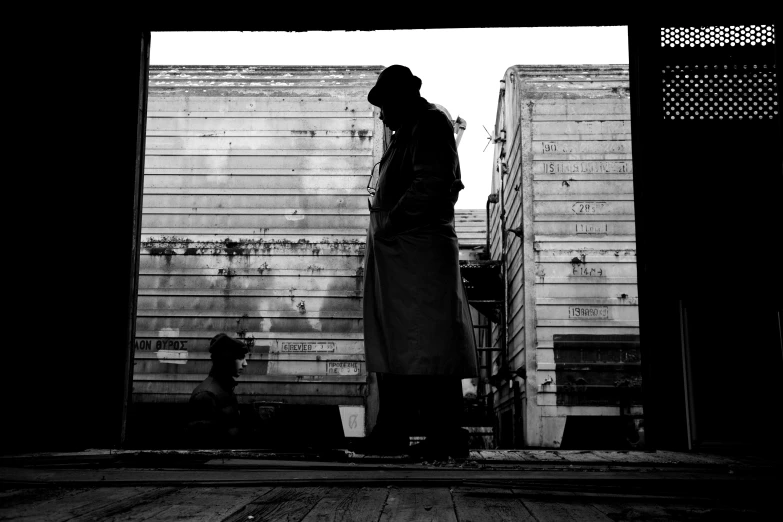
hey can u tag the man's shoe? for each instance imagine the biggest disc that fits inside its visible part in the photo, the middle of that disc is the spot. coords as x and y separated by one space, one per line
379 443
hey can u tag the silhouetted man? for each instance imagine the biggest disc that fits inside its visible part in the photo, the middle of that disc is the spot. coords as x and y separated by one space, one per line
214 410
418 333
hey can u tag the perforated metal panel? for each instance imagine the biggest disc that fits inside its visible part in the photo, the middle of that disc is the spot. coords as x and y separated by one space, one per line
701 92
718 36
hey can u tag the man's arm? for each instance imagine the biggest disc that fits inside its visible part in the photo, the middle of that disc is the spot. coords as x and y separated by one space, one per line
434 174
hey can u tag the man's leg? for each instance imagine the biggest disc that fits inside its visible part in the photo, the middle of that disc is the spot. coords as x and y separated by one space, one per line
390 434
442 409
442 403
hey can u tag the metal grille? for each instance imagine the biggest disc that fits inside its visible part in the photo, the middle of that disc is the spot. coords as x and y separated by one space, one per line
719 36
732 92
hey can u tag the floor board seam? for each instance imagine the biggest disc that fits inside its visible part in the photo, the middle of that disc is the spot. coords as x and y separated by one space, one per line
454 504
518 498
385 503
244 506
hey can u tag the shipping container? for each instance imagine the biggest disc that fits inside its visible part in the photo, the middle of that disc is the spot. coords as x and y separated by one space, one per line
254 224
563 225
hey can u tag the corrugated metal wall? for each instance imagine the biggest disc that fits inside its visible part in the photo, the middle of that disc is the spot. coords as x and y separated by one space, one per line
254 224
564 156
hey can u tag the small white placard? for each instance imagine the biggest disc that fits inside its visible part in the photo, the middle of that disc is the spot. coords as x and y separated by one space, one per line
307 346
172 356
342 368
353 420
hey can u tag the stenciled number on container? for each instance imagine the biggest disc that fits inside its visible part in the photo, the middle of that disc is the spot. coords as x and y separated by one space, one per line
587 272
587 167
592 228
588 207
588 312
571 147
307 346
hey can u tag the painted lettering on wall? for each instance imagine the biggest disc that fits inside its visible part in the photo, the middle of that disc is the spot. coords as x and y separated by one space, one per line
583 271
342 368
582 146
588 312
598 127
160 344
307 346
587 167
592 228
588 207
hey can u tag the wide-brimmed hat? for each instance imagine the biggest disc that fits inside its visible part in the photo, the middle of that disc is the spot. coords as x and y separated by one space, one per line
224 346
394 79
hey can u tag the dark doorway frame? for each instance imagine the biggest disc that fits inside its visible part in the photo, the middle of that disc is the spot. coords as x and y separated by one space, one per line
120 54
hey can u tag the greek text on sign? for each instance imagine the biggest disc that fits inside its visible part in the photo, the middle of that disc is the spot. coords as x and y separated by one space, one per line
307 346
342 368
588 207
587 167
592 228
588 312
160 344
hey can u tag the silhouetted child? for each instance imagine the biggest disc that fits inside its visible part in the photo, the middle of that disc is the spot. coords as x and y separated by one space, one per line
214 410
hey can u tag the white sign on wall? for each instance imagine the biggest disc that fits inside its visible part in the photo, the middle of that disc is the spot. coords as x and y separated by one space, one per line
353 420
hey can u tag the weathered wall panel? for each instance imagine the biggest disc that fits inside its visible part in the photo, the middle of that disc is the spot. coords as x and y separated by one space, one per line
563 166
254 224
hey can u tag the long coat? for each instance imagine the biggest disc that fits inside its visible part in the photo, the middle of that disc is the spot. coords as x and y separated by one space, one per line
416 315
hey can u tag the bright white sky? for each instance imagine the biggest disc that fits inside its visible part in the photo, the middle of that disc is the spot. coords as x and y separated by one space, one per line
459 68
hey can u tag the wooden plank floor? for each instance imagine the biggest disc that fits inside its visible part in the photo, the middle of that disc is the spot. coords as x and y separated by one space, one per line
344 504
